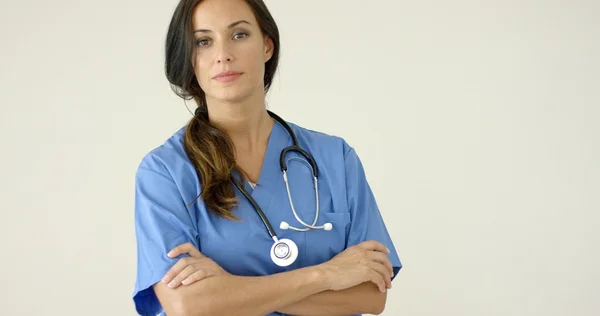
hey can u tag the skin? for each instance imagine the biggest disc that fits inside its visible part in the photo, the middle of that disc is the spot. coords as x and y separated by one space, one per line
231 40
355 281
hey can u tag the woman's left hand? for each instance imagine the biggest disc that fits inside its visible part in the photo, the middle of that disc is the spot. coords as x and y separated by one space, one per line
190 269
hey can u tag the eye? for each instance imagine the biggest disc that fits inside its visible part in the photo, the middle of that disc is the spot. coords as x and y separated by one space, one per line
202 42
240 35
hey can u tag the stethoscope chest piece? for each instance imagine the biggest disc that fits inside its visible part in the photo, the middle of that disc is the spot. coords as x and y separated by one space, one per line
284 252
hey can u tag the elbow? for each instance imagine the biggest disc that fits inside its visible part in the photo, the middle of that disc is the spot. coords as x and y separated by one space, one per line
372 301
183 309
378 304
176 306
187 307
377 309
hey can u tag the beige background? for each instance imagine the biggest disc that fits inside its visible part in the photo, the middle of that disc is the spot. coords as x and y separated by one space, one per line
477 122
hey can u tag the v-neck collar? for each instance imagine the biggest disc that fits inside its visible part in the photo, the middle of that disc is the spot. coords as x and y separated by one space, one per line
271 169
270 179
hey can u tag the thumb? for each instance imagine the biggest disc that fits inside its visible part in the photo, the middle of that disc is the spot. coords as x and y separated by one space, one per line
374 246
185 248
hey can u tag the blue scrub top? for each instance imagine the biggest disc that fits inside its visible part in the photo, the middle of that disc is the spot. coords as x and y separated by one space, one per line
166 183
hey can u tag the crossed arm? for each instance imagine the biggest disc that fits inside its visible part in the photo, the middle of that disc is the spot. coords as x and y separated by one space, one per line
361 299
209 290
299 292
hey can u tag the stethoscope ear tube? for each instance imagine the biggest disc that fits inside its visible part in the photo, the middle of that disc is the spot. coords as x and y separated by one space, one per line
306 155
294 147
286 126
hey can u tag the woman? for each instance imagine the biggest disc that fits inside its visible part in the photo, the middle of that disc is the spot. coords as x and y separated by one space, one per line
204 248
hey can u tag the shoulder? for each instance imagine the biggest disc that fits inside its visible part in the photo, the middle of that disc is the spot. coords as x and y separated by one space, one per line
332 153
322 143
167 159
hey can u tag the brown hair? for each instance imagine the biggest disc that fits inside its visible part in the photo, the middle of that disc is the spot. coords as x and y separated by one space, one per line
209 149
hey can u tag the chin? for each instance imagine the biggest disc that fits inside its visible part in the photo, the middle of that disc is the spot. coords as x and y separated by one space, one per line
231 96
232 93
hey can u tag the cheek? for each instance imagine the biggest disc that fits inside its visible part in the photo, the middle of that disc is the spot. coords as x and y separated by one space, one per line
255 63
202 71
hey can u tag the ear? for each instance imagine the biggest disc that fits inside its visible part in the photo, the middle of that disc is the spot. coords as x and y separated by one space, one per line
269 48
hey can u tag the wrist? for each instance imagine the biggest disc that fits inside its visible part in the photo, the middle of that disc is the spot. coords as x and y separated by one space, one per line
318 275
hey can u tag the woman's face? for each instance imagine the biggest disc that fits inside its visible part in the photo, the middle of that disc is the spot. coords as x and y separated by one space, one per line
230 50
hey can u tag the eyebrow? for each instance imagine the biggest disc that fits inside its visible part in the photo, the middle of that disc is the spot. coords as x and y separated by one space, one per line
234 24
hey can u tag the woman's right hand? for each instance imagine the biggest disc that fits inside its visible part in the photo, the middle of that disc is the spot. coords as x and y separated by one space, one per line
365 262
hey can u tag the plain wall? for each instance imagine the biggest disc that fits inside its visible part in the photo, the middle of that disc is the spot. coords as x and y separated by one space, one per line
477 122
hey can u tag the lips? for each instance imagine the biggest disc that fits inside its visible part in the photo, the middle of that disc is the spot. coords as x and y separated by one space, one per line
227 76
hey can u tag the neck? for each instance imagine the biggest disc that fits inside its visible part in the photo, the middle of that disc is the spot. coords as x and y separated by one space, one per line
248 124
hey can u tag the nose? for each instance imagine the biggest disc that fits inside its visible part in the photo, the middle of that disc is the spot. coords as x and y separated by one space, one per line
224 54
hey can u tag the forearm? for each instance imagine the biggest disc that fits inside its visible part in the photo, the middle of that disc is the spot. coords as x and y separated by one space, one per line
361 299
235 295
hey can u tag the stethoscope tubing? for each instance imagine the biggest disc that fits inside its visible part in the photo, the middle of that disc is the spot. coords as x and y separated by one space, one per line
283 166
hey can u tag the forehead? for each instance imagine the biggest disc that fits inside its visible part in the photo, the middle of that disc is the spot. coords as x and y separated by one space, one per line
217 14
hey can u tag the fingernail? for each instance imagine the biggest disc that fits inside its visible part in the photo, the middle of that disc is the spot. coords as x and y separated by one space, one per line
388 250
172 284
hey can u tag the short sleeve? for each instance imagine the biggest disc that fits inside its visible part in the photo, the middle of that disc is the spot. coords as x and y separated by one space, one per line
367 222
162 221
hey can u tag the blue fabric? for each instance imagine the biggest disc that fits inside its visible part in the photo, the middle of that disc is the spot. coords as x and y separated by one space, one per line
166 183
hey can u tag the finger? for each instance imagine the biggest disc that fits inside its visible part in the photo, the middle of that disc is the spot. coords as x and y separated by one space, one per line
184 274
383 259
184 248
175 270
194 277
383 271
374 245
377 279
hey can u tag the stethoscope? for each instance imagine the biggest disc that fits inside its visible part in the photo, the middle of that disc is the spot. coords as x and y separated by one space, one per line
284 252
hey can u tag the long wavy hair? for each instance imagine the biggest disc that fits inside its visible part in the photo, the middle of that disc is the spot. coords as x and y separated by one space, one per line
209 149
